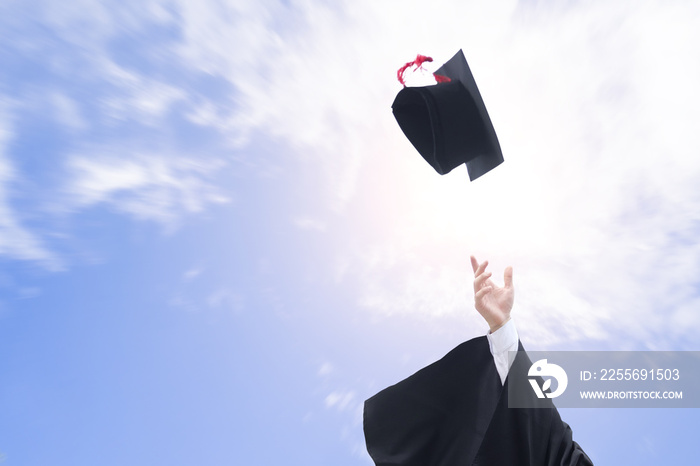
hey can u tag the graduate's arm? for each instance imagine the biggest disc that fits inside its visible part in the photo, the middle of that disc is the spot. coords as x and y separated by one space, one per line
502 341
495 304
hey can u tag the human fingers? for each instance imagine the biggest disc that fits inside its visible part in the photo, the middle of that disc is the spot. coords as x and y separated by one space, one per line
481 280
481 268
482 292
475 264
508 277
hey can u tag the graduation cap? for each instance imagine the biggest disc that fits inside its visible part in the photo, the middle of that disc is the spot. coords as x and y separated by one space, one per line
447 122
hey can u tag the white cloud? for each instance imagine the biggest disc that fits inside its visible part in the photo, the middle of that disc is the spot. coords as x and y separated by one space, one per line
68 112
226 299
325 369
191 274
140 98
88 87
88 24
16 241
340 400
151 187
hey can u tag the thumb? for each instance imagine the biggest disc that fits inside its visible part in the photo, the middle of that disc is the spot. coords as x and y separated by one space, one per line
508 277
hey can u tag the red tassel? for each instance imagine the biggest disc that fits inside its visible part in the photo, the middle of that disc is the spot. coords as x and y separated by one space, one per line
441 79
418 62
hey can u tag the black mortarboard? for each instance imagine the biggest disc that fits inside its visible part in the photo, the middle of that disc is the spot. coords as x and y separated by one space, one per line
448 122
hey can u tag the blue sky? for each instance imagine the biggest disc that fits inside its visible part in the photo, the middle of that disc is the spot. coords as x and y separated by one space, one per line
215 242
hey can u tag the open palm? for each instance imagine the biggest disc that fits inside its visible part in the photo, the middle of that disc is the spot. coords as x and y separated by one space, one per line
494 303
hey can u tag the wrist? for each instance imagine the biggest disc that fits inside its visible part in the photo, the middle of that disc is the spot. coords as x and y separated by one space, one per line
497 325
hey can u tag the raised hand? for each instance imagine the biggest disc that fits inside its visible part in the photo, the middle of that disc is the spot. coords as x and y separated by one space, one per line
494 303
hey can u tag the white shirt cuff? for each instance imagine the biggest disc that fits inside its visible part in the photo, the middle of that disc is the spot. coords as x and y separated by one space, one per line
500 342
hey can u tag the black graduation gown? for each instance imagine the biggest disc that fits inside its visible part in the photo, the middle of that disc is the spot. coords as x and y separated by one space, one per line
454 413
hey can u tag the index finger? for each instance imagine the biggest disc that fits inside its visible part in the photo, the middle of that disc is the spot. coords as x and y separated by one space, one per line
481 269
475 264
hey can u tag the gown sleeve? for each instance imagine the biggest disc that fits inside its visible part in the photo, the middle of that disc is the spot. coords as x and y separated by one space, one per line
437 416
454 412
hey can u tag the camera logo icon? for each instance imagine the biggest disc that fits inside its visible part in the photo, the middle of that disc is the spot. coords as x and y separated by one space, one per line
547 372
